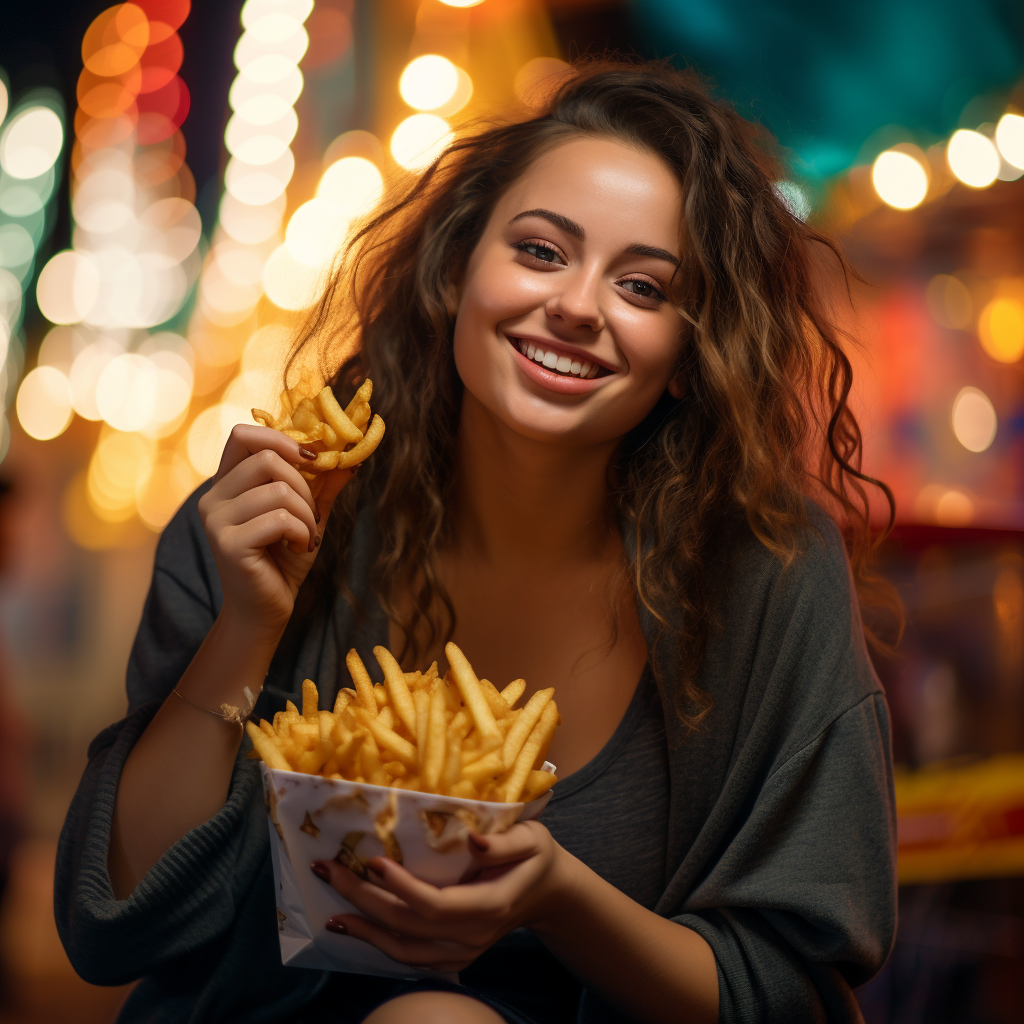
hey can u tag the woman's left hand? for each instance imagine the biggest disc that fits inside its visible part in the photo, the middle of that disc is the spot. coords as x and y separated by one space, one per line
518 878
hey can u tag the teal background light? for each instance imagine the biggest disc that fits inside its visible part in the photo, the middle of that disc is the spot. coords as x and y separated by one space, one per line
824 76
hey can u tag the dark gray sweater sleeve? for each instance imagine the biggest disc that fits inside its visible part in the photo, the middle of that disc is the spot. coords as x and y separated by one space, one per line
190 897
800 907
795 887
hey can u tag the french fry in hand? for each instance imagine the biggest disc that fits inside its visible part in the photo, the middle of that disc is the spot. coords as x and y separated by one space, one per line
459 736
341 438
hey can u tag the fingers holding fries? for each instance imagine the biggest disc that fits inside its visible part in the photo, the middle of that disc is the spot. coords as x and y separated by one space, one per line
338 438
419 731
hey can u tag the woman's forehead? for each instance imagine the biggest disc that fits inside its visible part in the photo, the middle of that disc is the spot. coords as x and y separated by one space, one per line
607 187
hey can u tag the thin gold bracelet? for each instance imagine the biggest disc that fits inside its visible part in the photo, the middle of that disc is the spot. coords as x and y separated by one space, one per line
228 712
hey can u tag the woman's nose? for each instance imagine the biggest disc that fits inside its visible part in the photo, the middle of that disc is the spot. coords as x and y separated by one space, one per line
575 300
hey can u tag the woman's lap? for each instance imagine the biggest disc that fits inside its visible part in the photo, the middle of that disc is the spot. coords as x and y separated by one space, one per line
373 993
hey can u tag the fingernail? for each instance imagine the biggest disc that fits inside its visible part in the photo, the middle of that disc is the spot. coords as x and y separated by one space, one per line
306 453
321 870
336 926
377 864
316 515
316 541
478 841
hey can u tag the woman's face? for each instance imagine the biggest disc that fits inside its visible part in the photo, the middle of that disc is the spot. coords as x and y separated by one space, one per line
564 329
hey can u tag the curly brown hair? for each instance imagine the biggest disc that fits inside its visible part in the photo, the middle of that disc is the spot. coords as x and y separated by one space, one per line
764 422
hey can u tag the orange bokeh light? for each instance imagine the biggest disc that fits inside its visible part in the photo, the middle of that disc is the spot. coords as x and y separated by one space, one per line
115 40
101 96
97 132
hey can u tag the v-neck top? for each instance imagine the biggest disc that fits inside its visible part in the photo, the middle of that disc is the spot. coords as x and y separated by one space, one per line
613 813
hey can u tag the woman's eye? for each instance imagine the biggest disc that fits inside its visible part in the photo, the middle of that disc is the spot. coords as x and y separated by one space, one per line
642 289
544 253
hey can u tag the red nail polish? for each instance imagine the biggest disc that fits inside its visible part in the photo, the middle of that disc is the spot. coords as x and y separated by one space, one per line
316 515
306 453
336 926
321 870
478 841
316 541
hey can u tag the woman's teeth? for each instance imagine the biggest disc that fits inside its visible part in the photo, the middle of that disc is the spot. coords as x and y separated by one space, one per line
559 363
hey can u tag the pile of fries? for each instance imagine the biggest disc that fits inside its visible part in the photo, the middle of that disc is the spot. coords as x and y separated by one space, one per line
457 735
340 437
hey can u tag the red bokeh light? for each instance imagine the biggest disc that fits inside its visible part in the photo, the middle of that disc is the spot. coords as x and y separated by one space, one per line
161 62
162 112
171 12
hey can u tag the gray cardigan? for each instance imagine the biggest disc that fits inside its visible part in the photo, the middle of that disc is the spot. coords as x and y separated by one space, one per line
781 827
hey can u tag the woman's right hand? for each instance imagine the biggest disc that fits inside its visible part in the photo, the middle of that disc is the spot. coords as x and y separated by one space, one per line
264 525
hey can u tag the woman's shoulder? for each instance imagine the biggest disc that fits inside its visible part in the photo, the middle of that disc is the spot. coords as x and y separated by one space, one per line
819 563
793 630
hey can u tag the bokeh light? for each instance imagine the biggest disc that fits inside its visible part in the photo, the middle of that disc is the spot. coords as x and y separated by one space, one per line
4 99
536 81
462 3
974 419
353 184
251 224
160 494
85 373
126 392
205 442
116 40
419 140
258 185
44 403
120 465
954 508
68 287
31 142
950 302
1010 139
900 181
428 82
316 232
262 142
290 283
254 10
1001 329
973 158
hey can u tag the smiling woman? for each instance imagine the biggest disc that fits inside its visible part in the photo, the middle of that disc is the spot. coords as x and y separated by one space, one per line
613 394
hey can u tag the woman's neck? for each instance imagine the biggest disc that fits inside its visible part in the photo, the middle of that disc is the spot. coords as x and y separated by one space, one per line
521 499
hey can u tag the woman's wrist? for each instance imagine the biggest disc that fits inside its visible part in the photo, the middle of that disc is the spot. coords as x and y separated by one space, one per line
234 658
239 626
558 902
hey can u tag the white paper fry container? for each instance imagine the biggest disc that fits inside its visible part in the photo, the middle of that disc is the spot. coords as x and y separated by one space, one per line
311 818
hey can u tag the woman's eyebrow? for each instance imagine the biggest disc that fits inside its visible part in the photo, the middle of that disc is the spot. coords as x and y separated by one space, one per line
570 227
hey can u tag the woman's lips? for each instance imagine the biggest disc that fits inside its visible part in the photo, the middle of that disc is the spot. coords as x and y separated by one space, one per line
553 381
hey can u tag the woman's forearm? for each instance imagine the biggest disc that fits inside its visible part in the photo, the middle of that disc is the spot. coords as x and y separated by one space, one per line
178 773
655 969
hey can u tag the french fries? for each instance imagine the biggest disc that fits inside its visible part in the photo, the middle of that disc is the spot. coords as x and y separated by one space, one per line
457 735
341 438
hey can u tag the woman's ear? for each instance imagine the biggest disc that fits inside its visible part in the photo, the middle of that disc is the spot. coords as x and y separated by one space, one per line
451 297
677 386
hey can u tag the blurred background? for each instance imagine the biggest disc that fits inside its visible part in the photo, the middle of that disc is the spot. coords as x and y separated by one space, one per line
172 181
